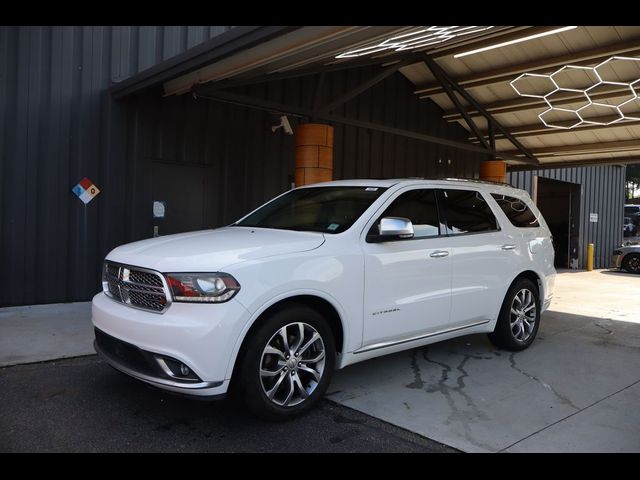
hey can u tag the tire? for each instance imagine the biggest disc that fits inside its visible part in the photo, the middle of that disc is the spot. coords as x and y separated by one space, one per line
631 263
292 374
507 334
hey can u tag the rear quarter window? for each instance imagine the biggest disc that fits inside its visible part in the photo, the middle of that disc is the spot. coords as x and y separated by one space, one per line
517 211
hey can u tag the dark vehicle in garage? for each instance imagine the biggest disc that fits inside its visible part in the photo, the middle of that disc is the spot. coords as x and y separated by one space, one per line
629 228
627 257
633 212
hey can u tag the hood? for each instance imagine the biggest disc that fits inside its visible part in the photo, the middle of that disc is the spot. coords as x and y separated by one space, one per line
213 250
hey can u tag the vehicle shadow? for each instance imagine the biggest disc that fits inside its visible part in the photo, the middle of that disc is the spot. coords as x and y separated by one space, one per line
614 271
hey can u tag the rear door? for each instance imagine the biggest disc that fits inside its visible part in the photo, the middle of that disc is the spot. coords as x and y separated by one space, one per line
484 256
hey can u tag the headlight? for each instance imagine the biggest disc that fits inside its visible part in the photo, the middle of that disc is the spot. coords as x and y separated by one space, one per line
202 287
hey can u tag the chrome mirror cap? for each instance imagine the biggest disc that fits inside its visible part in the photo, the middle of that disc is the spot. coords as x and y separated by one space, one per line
396 226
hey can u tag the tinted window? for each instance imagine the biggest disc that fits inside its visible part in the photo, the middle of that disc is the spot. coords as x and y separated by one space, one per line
419 206
316 209
466 211
518 213
628 211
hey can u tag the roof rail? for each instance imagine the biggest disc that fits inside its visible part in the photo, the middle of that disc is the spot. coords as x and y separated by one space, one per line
470 180
476 180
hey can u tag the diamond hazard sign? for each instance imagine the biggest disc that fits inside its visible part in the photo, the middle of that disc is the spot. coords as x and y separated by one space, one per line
86 190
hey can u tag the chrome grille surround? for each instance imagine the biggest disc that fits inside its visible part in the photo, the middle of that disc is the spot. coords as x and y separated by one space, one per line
136 287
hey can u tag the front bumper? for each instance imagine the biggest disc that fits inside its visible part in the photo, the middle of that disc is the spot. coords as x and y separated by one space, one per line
201 336
616 261
147 368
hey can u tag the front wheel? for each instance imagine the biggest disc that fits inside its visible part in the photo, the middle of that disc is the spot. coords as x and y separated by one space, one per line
287 363
519 317
631 263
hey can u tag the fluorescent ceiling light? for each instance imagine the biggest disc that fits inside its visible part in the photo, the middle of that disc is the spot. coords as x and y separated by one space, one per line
517 40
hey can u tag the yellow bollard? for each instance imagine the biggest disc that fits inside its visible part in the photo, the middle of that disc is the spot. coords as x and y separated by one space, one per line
589 257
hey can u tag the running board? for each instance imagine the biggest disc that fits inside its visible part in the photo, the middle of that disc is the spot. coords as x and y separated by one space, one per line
377 346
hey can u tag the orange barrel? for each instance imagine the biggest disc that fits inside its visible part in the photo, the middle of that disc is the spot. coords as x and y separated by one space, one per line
314 154
493 171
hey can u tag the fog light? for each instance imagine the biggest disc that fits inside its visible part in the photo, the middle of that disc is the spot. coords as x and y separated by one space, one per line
184 370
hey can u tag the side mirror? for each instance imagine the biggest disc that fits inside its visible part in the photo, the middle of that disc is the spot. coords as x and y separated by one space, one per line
395 228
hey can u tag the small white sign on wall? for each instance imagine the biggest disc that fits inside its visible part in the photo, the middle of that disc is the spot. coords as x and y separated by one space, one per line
159 209
593 217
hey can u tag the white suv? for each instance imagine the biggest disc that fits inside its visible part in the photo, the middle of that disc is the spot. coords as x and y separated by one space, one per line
322 277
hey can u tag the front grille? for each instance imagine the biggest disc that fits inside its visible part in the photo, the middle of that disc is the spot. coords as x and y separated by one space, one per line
135 286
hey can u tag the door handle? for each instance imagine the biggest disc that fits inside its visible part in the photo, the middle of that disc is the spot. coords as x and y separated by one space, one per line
508 246
439 253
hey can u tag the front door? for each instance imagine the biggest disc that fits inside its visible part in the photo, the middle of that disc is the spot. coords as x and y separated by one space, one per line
408 281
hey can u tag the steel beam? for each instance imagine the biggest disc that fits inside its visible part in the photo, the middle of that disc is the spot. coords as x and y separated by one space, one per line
367 84
271 106
583 148
472 101
303 72
576 163
518 104
436 70
540 130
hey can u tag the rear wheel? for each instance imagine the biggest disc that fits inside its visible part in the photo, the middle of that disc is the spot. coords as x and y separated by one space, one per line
287 364
631 263
519 317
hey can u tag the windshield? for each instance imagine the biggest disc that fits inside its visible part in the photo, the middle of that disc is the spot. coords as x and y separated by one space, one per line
315 209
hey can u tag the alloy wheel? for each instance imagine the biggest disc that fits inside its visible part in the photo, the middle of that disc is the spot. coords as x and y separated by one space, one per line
292 364
523 315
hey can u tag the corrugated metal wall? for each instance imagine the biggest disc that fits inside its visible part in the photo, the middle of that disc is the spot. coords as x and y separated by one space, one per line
601 192
58 125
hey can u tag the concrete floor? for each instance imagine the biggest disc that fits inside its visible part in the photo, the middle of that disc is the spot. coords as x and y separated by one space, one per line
45 332
575 389
83 405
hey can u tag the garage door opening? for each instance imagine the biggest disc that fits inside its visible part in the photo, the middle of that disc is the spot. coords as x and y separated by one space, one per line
559 203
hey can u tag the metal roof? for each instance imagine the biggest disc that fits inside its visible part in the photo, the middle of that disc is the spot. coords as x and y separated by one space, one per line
487 76
255 55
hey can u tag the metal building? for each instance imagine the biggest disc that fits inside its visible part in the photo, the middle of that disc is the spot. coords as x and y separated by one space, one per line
581 205
184 115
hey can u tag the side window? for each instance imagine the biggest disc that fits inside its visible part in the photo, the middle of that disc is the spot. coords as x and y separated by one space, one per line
518 213
466 211
419 206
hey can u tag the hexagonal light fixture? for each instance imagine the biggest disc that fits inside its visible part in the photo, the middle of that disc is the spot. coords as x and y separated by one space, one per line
567 124
606 72
566 77
590 80
423 36
533 85
603 86
631 109
602 110
561 98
